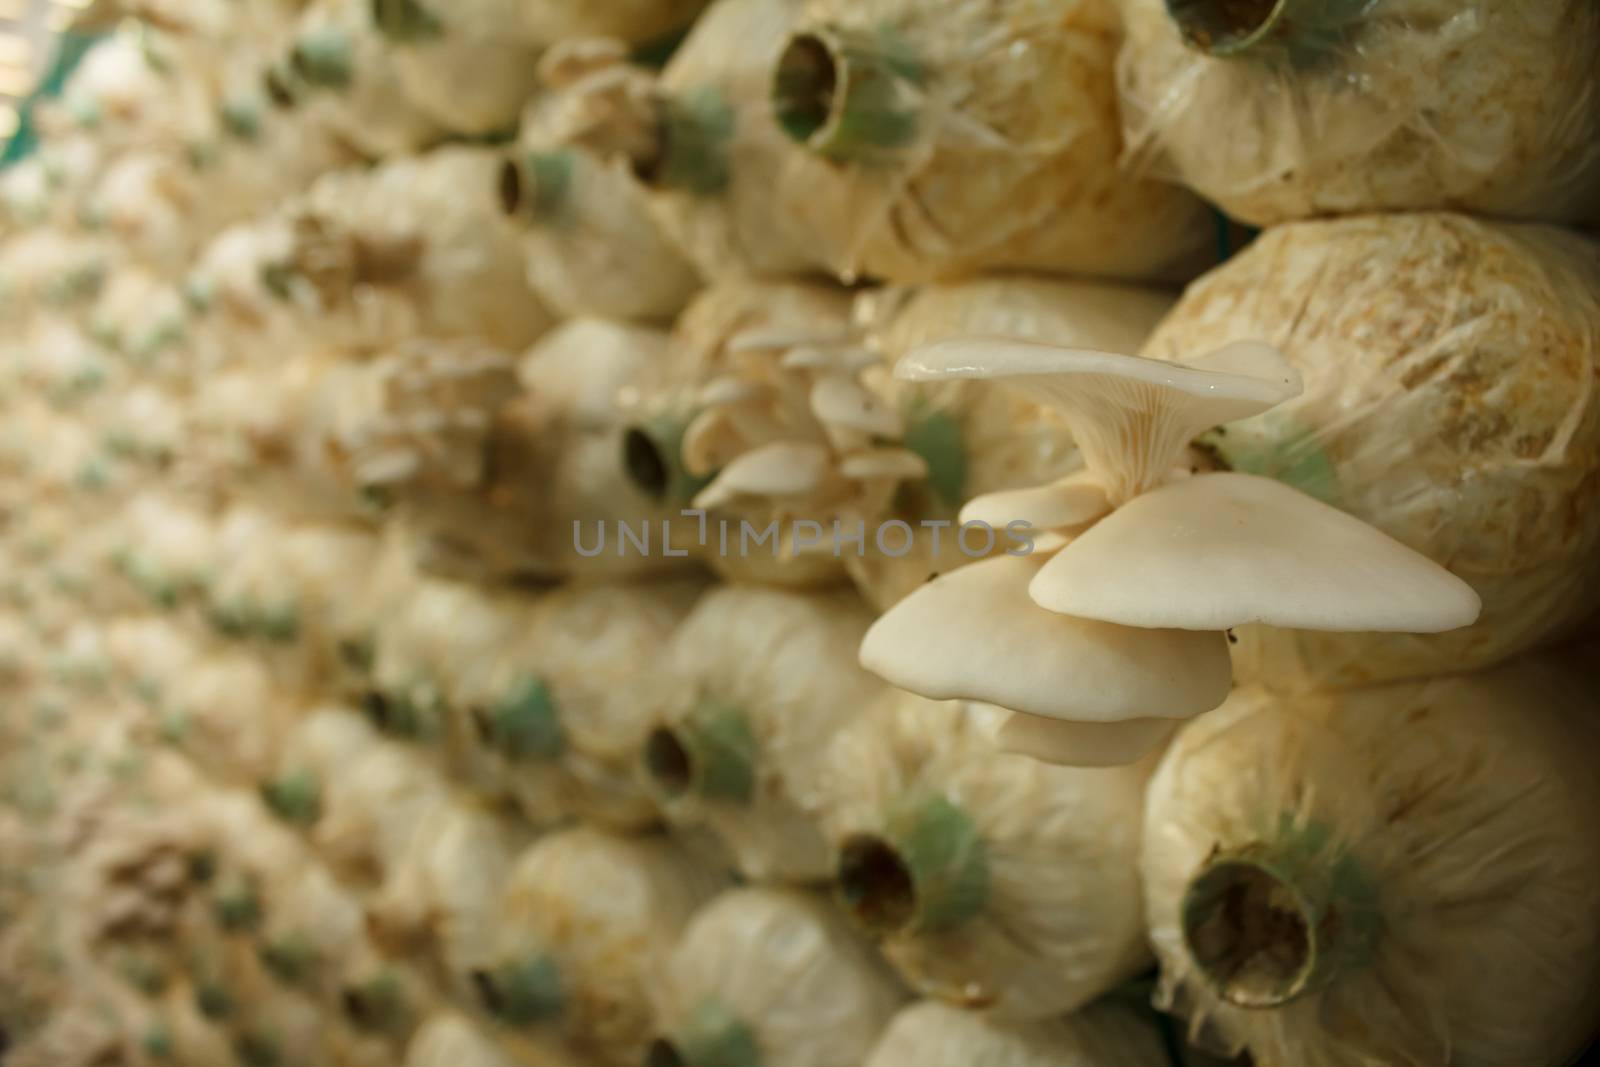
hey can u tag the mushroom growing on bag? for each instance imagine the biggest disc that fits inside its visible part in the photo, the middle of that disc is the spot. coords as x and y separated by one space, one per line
1398 874
1390 105
816 430
1110 623
944 139
772 977
993 882
721 392
1107 1034
762 679
565 706
585 927
1449 370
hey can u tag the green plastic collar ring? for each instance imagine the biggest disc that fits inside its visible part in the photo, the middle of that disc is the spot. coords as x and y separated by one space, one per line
710 753
711 1037
1275 921
1234 28
404 21
323 59
521 992
924 871
652 459
845 95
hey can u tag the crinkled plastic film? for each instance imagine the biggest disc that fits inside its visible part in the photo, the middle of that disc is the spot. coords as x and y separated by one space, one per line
603 912
762 679
1465 809
943 139
1052 917
438 210
780 973
1344 106
1452 399
369 110
1107 1034
570 702
593 247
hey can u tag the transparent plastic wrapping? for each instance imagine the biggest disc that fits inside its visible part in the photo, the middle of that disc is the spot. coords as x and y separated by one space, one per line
439 908
593 247
450 1040
229 716
145 200
951 138
463 63
773 977
565 707
370 812
1485 106
762 679
1402 874
994 882
339 73
701 138
1450 401
312 926
323 743
1107 1034
639 22
414 227
554 488
584 930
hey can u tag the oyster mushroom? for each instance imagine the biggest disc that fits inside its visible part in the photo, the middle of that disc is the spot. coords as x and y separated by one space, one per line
970 635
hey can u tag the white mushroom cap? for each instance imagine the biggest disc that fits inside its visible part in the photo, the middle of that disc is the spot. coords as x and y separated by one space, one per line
1221 550
1083 744
837 400
1131 417
973 634
785 468
1073 501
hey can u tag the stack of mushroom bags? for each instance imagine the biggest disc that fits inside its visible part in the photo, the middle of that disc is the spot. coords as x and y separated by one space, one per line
804 533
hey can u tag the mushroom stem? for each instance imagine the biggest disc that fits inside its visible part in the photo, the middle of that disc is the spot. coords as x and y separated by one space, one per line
1269 923
1233 28
652 457
322 58
845 96
923 873
712 1036
710 754
405 20
521 992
